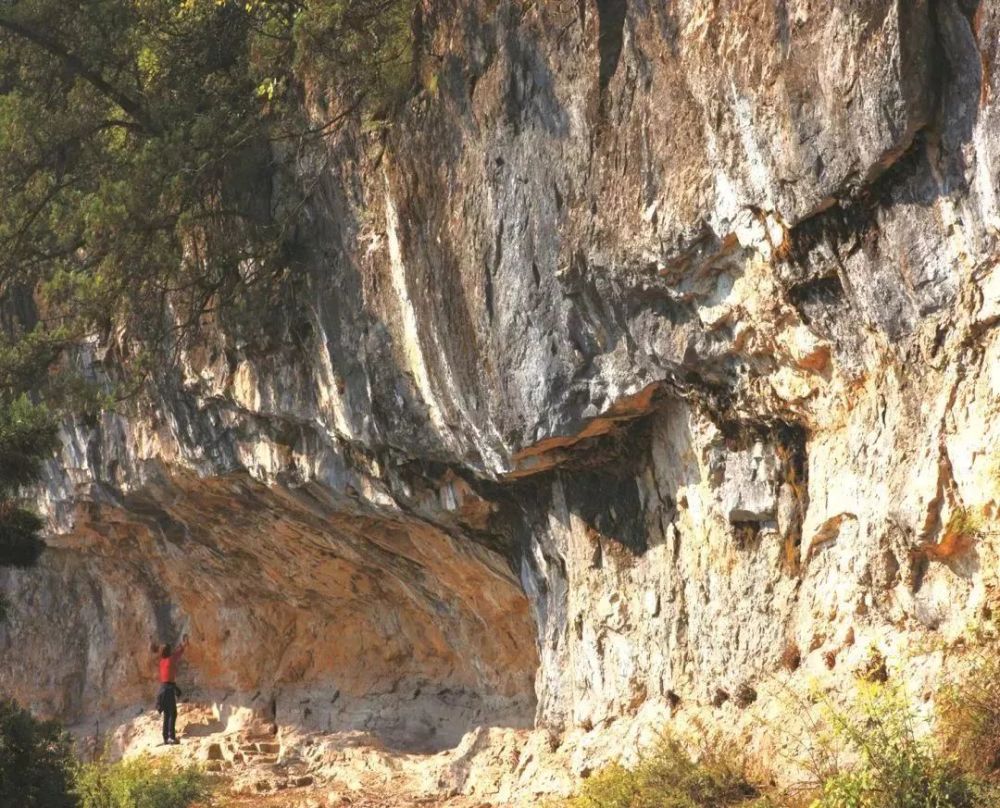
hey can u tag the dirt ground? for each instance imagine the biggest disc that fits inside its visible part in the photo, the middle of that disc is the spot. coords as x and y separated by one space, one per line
322 798
257 765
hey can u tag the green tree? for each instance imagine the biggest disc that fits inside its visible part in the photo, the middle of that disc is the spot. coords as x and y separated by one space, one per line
35 761
135 142
26 432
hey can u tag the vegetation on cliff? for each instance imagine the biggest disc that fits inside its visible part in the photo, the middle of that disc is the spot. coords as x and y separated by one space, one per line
36 761
139 148
38 770
138 783
719 775
872 757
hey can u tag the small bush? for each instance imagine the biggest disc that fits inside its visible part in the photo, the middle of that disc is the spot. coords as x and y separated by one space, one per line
968 712
35 760
139 783
963 529
671 778
791 657
964 521
873 668
613 786
894 768
19 542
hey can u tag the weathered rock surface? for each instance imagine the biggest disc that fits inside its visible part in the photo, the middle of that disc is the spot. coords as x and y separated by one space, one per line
655 346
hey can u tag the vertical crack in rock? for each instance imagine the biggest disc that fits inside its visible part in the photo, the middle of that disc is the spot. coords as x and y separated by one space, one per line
492 269
611 24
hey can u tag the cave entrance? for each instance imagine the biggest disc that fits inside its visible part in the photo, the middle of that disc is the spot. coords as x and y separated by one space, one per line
299 610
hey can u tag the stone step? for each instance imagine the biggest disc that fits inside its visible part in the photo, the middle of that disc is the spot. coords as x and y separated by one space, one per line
254 737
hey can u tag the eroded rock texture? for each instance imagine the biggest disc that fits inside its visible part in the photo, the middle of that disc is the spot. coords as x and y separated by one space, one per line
653 351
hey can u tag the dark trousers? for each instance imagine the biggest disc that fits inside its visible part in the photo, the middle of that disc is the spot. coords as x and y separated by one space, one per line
167 702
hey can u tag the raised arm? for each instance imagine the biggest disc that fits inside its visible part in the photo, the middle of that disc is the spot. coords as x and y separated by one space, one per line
179 652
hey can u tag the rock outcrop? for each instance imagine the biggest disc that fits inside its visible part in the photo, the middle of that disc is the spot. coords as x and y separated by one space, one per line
653 353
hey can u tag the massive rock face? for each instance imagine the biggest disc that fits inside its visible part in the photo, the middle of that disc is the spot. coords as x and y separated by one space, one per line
653 352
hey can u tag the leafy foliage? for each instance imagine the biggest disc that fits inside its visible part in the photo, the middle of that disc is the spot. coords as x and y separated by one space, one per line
139 783
895 769
27 434
37 770
370 45
890 764
19 542
126 127
135 140
35 761
25 429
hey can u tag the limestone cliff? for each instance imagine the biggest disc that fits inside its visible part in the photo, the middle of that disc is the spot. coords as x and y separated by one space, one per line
651 354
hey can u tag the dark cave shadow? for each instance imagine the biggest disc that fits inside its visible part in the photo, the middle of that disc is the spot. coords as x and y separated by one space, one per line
424 716
602 490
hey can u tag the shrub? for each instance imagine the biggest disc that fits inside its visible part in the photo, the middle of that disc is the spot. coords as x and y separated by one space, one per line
139 783
671 778
968 712
613 786
791 656
27 437
873 668
19 542
964 521
963 529
894 769
35 760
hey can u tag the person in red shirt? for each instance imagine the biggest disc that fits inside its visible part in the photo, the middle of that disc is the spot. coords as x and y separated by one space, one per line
166 700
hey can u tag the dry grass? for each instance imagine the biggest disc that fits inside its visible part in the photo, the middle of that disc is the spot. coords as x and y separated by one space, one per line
717 774
968 711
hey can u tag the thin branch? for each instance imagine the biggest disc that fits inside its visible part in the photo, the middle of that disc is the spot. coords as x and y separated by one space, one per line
319 130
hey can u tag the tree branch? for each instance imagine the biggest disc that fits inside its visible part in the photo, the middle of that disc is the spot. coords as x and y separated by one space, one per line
130 105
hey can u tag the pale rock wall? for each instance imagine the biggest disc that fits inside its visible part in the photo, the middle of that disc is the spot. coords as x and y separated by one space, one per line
646 350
